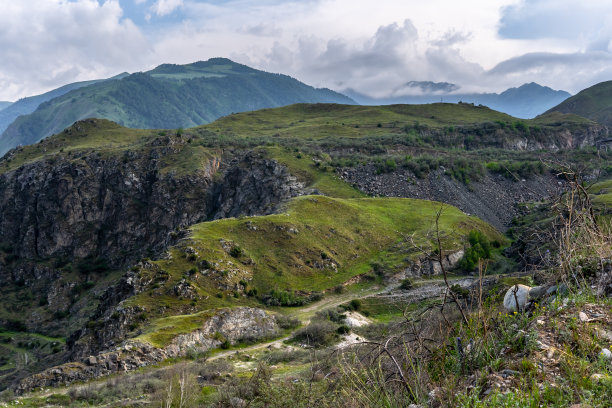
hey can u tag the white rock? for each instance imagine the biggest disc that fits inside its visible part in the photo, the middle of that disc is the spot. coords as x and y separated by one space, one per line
522 297
605 353
354 319
583 317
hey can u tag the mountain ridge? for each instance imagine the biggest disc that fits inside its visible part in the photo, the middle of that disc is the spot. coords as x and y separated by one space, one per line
169 96
526 101
29 104
594 102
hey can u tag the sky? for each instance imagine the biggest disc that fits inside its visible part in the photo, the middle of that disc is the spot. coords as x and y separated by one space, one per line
373 47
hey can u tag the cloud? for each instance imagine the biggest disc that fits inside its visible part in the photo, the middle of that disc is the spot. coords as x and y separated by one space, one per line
575 70
581 22
47 43
374 47
262 30
165 7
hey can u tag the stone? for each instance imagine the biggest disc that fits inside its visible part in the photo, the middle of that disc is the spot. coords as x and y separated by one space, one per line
91 360
603 334
583 317
538 292
516 294
606 354
236 402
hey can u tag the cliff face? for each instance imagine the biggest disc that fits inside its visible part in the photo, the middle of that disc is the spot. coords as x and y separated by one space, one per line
116 208
120 208
70 225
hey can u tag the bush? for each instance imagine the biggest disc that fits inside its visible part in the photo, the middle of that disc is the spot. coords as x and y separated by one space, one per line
287 322
317 334
282 298
93 265
407 284
480 248
333 315
236 251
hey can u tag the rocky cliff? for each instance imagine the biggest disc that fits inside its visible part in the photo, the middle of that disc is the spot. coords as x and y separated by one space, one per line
493 198
232 325
72 223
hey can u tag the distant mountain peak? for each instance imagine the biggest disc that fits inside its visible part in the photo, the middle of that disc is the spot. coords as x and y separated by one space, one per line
525 101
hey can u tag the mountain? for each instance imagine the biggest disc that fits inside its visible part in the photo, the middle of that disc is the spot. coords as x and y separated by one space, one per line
4 105
28 105
121 248
526 101
169 96
594 103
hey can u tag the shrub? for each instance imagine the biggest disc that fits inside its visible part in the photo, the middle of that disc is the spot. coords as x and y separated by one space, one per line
406 284
236 251
480 248
355 304
319 333
282 298
333 315
93 265
287 322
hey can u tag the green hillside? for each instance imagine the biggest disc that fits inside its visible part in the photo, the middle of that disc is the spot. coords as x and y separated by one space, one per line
318 243
25 106
348 133
169 96
594 103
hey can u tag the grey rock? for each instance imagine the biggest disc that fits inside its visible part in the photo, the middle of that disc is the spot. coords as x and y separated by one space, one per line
538 292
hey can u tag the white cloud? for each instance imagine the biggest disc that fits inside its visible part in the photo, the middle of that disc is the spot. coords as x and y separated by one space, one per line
165 7
372 46
48 43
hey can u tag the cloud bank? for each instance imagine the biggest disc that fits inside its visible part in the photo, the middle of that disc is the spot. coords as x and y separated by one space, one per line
373 47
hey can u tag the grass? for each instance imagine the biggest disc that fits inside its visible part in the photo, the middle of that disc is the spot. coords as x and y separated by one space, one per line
317 177
323 120
163 330
602 192
318 243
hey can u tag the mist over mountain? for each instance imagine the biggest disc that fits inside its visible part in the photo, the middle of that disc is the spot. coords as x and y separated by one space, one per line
526 102
594 103
4 104
169 96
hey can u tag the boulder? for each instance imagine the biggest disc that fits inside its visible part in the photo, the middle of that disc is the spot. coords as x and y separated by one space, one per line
517 294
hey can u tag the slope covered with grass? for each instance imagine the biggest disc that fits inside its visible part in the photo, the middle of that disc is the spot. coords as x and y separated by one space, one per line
594 103
316 244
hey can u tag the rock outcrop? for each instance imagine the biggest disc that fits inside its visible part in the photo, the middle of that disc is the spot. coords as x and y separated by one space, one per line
232 325
428 267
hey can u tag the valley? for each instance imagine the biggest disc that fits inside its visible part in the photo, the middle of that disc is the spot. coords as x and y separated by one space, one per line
129 254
